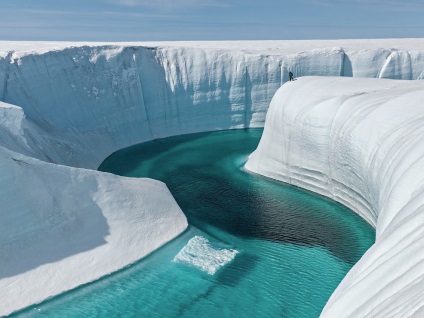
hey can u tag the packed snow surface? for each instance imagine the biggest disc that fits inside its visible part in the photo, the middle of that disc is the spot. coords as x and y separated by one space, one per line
62 227
360 142
66 106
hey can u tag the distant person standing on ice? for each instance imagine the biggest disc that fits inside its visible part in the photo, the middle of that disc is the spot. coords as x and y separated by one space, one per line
291 76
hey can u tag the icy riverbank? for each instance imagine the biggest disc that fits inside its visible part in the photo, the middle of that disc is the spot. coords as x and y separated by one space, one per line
360 142
73 104
62 227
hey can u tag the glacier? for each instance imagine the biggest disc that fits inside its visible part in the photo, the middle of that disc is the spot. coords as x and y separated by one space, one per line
359 142
66 106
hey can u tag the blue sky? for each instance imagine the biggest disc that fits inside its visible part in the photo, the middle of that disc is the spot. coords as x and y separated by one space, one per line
150 20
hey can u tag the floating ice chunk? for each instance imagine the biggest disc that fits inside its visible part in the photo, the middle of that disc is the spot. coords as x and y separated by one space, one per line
200 253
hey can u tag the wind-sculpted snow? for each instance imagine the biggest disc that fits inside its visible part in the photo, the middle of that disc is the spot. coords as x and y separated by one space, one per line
73 104
360 142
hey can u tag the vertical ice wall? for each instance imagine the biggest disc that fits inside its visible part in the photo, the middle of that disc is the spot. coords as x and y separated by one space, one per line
360 142
92 100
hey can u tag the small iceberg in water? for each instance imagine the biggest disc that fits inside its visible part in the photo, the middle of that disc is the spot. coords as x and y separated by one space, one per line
202 254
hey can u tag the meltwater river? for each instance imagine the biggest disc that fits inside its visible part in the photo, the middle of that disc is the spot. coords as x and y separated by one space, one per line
254 248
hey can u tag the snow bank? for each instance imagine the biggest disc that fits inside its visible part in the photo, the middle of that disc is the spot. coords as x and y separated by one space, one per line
62 227
359 142
73 104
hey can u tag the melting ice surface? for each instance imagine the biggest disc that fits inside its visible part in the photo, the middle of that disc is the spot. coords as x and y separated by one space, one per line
294 247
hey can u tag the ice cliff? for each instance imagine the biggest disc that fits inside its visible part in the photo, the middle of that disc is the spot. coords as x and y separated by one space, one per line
67 106
359 142
88 101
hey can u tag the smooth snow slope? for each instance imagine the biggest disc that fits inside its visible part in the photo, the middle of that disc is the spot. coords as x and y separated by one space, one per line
73 104
360 142
61 227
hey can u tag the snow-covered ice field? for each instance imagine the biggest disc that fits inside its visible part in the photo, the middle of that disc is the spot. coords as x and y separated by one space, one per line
67 106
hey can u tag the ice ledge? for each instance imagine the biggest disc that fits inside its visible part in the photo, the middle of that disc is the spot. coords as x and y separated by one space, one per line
360 142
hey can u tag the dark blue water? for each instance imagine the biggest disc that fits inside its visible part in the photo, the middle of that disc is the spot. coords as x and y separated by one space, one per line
293 247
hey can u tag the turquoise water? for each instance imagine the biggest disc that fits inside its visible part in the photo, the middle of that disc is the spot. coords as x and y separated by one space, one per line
294 247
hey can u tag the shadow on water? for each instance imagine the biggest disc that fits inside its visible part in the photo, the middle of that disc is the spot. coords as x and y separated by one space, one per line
149 151
231 275
239 268
244 212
